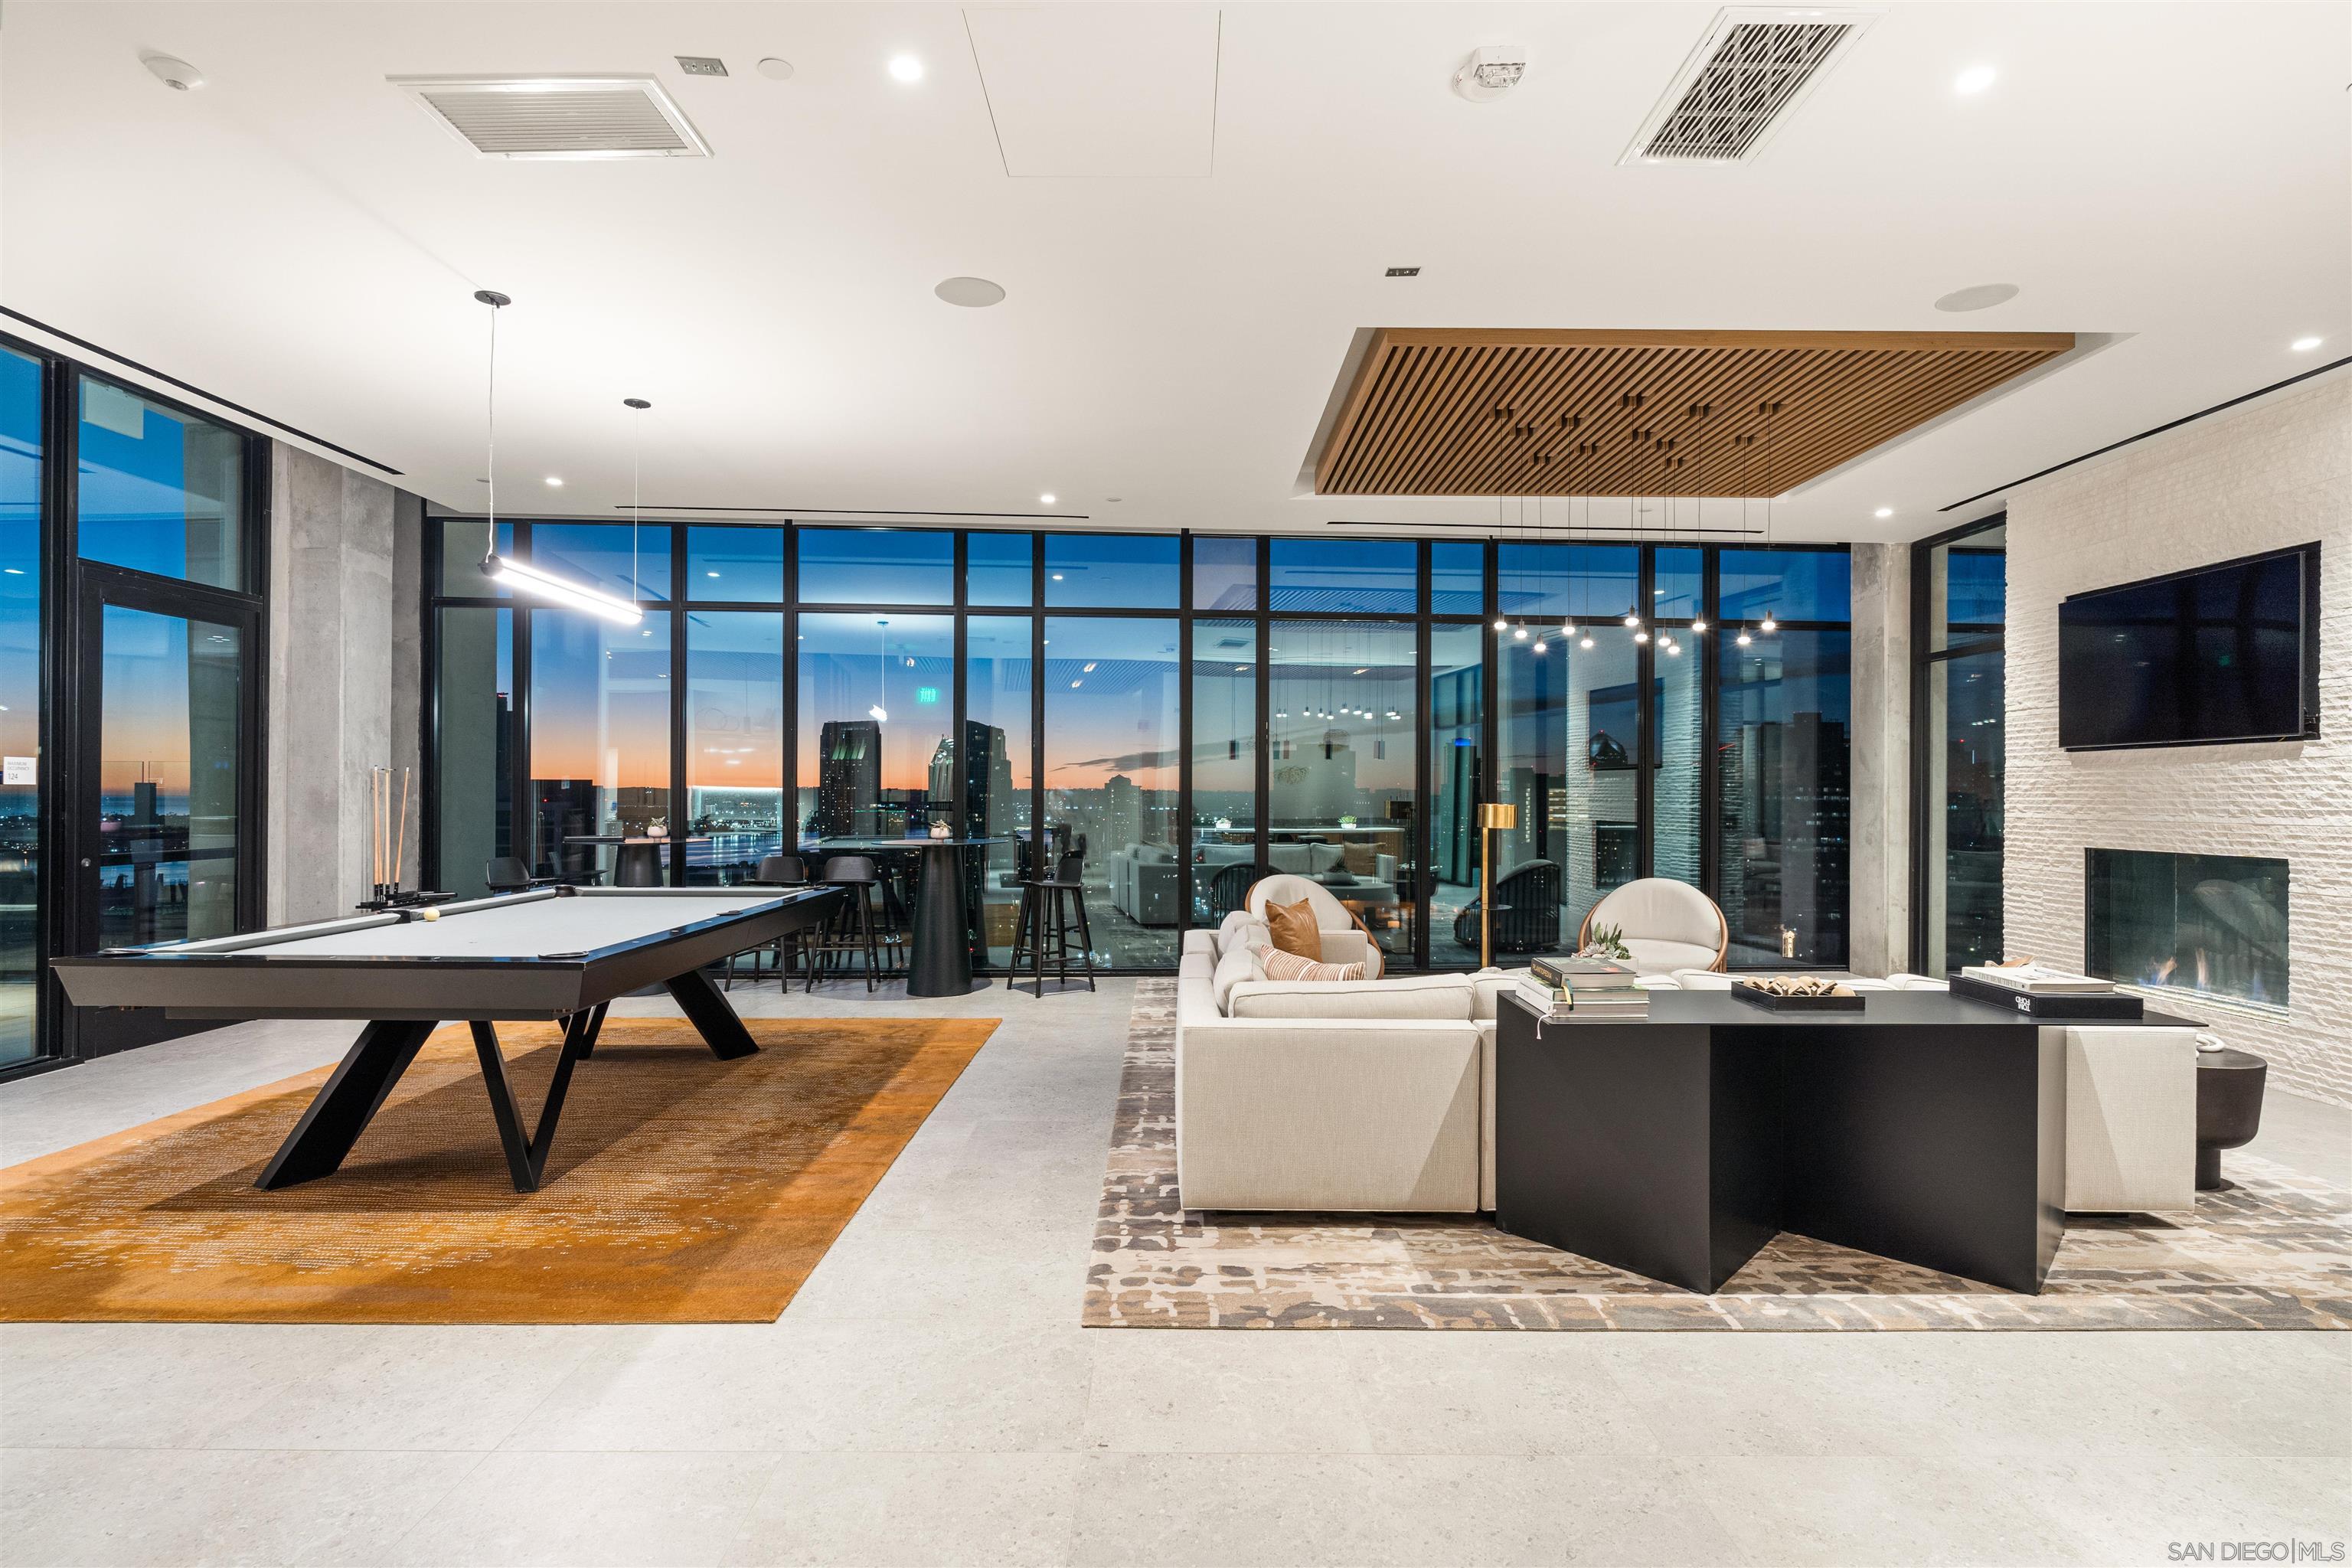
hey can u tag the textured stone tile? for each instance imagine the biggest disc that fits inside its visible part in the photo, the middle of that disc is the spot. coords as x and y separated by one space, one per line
584 1510
124 1507
1843 1510
881 1510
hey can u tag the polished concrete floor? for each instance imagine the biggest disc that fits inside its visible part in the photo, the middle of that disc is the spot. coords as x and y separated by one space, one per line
930 1398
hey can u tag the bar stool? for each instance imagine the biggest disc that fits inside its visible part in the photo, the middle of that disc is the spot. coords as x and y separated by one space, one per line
855 929
775 872
1041 931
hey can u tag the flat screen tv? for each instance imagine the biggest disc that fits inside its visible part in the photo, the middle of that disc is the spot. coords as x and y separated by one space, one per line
2225 653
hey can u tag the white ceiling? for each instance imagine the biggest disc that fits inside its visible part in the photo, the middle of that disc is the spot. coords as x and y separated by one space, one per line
297 236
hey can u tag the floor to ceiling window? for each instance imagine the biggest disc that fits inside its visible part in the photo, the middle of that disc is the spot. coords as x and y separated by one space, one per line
999 771
1958 609
876 705
1112 689
475 701
1181 715
734 743
1224 765
1571 736
169 718
1342 793
153 556
1782 753
1457 782
600 726
20 703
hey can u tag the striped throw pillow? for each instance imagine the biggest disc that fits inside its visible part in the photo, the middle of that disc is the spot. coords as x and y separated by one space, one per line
1281 966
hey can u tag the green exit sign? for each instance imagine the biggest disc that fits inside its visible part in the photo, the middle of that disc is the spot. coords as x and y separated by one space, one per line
927 694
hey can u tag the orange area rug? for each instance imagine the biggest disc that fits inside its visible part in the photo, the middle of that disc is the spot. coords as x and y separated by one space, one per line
680 1188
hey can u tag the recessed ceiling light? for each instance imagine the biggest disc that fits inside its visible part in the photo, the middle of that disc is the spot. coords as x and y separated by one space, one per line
1046 499
1976 78
1978 297
972 293
905 68
1884 511
2304 345
776 69
555 480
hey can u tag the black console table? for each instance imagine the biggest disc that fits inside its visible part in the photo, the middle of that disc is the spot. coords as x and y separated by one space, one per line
1927 1127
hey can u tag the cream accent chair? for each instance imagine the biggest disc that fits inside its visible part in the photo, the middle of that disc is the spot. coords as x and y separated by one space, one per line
1668 925
1345 940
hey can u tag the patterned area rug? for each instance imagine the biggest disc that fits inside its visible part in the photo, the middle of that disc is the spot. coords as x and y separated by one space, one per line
2274 1251
680 1188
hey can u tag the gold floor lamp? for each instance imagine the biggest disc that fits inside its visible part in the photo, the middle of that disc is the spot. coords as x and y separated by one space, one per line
1494 813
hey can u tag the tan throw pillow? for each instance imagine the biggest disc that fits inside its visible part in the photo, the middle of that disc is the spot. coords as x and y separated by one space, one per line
1293 930
1281 966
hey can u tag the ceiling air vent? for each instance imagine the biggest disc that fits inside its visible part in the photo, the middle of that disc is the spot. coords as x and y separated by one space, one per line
558 116
1753 66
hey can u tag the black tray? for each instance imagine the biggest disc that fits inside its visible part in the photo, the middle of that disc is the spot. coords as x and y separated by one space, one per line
2107 1007
1771 1003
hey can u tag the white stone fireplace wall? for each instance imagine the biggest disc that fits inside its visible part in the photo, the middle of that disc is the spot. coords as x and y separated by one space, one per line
2274 473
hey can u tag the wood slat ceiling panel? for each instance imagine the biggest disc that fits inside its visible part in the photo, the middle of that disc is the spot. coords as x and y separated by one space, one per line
1470 412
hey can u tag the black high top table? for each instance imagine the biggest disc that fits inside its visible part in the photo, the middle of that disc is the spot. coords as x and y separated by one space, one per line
939 959
1929 1128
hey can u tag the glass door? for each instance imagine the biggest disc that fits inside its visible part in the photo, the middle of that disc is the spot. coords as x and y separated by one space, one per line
166 793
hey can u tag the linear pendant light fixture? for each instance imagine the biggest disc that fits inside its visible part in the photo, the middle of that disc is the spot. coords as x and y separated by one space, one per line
521 576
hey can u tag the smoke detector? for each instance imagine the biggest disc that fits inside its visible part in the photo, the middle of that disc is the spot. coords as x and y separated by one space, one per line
176 74
1488 74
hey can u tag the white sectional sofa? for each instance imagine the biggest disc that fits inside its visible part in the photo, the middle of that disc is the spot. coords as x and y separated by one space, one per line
1378 1095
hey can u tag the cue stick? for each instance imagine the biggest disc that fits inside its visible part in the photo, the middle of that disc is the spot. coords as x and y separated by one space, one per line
400 840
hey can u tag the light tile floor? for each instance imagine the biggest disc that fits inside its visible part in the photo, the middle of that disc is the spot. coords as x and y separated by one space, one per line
930 1398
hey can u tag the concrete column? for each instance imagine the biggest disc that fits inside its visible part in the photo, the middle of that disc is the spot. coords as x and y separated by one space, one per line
333 685
1878 926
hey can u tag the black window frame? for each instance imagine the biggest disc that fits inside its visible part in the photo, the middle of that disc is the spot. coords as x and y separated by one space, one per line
73 591
1185 613
1981 640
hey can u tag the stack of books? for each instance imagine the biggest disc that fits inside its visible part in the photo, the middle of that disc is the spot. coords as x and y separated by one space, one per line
1587 988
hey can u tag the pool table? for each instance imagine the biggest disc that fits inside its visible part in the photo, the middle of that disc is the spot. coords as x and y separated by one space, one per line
559 954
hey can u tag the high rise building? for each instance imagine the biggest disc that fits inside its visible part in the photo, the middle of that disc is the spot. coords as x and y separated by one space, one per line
848 778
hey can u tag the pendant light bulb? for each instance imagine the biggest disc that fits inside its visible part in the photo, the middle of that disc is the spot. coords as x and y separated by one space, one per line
1632 620
1539 645
1698 623
1743 639
1501 625
1769 623
1585 641
1641 636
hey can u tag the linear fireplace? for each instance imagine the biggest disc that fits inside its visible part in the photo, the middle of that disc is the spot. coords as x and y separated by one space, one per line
2214 925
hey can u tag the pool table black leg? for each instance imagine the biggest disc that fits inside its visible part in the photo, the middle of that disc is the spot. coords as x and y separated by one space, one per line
526 1162
595 1027
343 1108
708 1012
